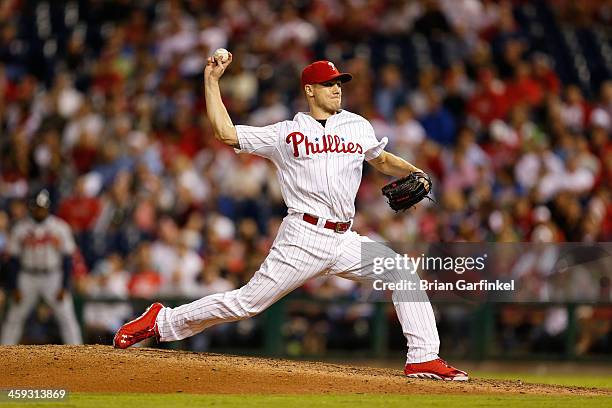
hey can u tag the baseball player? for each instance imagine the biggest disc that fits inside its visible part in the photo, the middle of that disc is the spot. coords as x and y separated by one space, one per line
319 157
40 249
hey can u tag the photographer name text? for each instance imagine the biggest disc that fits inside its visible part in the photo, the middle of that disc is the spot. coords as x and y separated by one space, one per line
459 285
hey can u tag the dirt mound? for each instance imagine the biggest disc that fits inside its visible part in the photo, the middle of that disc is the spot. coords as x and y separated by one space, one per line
104 369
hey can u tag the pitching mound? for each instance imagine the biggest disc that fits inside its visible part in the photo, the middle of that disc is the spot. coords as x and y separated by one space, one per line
104 369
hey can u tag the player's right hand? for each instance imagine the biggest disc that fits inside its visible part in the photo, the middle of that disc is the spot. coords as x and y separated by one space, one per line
17 296
61 294
215 68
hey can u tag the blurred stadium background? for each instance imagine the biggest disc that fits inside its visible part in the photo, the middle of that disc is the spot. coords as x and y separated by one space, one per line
508 105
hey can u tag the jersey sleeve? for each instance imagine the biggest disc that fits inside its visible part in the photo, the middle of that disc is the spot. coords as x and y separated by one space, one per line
261 141
14 242
373 147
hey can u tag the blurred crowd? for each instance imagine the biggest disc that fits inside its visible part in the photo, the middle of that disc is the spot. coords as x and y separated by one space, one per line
101 103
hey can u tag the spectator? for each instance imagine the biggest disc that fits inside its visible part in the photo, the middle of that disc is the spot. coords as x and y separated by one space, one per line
523 89
433 21
187 267
490 100
391 93
574 109
545 75
408 133
81 211
438 122
108 281
145 281
272 110
601 116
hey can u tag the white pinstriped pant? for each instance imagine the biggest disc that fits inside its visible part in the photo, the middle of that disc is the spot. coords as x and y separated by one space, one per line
302 251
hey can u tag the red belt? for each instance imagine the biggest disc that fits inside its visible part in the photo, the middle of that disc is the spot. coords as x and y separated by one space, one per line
339 227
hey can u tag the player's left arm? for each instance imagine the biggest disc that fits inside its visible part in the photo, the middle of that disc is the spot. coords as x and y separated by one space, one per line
392 165
14 248
66 270
67 252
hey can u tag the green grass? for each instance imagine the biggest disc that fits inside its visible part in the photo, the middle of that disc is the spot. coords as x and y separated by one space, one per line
352 401
590 380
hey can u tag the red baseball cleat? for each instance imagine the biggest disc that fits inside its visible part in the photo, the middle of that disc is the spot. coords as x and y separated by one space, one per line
138 329
436 369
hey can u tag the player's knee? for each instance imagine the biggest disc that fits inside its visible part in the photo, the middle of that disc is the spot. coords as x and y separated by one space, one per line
249 310
246 306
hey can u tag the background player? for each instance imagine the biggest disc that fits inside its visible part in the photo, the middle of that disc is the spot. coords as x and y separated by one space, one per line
40 252
319 158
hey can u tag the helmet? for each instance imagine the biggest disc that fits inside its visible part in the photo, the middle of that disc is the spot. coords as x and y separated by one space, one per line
41 199
39 205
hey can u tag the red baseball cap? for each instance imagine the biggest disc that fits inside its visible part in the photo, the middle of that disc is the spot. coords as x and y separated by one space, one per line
323 71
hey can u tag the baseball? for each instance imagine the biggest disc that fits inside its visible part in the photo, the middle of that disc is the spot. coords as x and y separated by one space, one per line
221 54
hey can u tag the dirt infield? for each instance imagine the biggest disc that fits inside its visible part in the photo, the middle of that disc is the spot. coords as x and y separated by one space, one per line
104 369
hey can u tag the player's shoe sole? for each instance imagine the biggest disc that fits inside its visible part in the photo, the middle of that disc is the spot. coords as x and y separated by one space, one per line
432 376
139 329
437 369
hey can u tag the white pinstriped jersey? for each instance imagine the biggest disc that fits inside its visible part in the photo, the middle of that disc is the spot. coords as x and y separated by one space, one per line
40 246
319 168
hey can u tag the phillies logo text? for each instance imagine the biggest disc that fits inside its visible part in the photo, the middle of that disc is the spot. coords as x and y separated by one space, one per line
330 144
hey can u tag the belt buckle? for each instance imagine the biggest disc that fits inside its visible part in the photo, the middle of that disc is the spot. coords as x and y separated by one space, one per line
340 228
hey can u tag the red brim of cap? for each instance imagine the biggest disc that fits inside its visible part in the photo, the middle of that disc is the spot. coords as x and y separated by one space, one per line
343 77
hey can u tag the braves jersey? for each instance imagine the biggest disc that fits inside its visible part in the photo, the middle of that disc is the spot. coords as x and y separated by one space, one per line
319 167
41 246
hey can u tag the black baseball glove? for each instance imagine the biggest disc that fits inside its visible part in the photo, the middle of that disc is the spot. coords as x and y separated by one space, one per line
406 192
